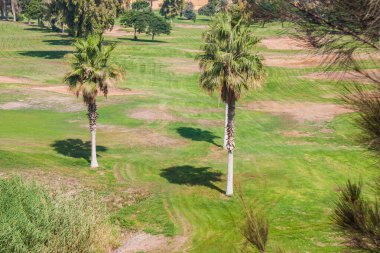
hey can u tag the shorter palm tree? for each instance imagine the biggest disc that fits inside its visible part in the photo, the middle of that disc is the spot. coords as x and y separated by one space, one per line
91 73
230 66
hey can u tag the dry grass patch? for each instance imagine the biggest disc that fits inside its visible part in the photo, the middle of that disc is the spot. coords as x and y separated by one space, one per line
133 137
285 43
191 26
300 111
63 89
153 114
15 80
181 65
349 76
118 31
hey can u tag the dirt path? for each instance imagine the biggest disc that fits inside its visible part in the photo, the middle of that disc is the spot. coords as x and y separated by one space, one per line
143 242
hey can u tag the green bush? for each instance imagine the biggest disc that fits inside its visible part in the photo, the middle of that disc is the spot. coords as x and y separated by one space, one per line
31 220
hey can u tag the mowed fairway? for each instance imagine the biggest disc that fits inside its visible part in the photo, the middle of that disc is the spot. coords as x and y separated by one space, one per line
162 168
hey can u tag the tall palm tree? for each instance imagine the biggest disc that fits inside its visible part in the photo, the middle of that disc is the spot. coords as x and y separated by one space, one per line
230 67
90 74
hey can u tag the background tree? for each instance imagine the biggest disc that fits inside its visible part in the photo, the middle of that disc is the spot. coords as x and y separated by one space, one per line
35 10
157 25
140 5
229 65
88 16
138 20
189 12
209 9
90 74
170 9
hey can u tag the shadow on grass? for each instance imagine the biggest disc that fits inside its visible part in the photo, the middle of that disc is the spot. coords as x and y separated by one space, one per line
62 42
189 175
45 54
76 148
143 40
197 134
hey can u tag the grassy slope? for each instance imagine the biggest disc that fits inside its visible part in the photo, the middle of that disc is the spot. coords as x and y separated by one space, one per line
296 181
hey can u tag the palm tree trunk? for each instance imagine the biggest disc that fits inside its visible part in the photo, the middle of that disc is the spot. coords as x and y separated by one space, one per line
92 116
225 127
13 6
4 14
230 146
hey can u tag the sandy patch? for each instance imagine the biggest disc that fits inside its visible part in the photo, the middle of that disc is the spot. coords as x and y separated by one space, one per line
349 76
118 31
181 65
285 43
62 89
191 26
16 80
300 111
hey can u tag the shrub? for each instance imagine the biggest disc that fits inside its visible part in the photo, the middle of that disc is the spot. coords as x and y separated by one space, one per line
189 12
33 221
358 219
140 5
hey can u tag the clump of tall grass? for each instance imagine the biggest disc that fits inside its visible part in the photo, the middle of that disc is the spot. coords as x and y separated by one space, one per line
31 220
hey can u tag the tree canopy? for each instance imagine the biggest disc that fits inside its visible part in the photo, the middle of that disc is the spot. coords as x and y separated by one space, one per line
88 16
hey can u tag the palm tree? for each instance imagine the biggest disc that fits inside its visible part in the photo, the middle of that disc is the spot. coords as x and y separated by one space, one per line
229 66
91 73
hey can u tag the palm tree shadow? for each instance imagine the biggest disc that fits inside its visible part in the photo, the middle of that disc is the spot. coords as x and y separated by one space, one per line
197 134
76 148
189 175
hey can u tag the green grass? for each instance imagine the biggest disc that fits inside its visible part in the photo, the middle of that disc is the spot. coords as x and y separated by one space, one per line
295 178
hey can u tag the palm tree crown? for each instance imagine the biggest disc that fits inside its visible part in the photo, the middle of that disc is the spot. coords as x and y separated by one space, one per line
228 63
91 70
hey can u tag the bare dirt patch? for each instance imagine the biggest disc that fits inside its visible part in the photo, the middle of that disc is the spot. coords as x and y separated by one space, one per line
349 76
285 43
118 31
15 80
181 65
300 111
65 90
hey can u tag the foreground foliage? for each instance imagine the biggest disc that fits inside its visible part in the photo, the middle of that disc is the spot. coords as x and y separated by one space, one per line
31 220
358 219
